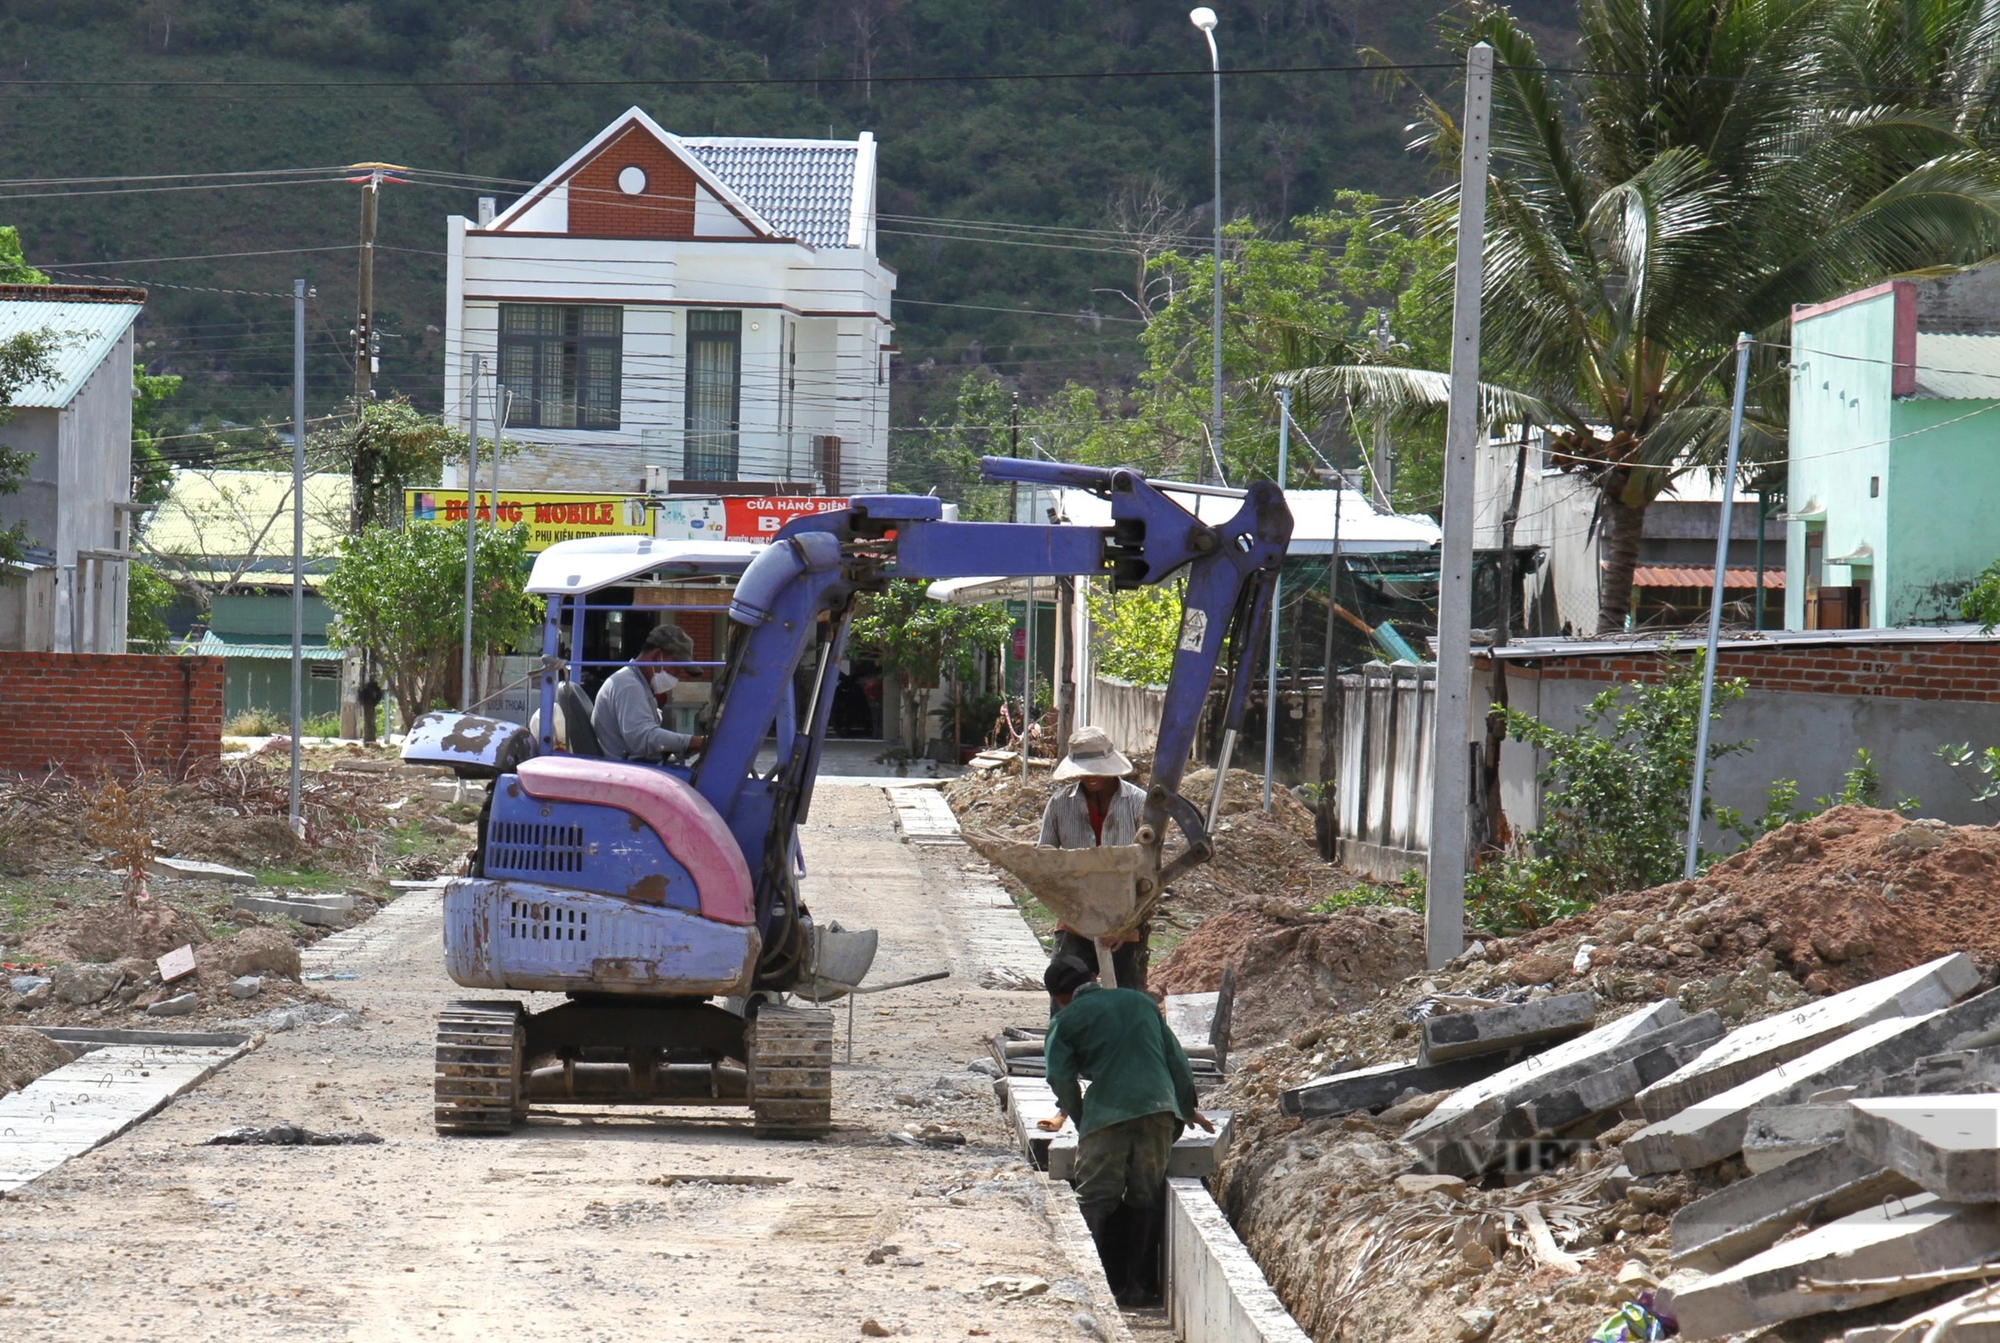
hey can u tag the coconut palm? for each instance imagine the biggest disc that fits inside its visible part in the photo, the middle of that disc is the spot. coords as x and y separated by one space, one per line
1717 167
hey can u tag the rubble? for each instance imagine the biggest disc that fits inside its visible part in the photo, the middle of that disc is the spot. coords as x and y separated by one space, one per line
1862 1259
1777 1134
1752 1215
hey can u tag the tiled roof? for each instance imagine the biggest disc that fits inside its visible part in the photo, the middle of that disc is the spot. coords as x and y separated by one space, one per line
89 322
803 188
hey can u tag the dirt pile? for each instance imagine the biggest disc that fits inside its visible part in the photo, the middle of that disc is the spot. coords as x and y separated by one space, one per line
1848 896
25 1055
107 932
1293 966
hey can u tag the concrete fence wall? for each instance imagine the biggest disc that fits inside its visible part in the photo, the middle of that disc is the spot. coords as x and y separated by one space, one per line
1383 768
1215 1291
1130 713
79 712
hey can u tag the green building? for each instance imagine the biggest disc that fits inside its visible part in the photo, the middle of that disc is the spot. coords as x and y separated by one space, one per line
1895 452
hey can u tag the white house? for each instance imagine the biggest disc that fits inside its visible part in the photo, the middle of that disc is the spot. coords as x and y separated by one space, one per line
707 310
76 502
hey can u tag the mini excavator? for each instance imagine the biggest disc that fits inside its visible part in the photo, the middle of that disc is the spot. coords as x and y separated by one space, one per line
664 900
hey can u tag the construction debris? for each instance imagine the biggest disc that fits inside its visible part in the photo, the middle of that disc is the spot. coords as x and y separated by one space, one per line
1457 1035
287 1135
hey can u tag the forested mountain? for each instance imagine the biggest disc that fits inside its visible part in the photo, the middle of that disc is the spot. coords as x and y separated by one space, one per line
503 90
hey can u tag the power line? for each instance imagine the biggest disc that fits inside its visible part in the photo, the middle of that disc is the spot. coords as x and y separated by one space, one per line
725 81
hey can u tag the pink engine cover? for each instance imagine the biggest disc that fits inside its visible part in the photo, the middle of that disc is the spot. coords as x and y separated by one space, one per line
690 828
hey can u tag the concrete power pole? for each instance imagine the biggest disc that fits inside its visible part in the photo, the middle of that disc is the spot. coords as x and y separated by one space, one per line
362 470
1451 748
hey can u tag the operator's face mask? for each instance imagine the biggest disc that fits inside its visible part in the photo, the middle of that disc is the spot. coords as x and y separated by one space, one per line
662 682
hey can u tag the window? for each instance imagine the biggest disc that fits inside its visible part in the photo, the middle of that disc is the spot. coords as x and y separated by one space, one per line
562 364
714 393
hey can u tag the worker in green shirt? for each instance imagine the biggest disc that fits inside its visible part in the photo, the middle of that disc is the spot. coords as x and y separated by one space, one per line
1141 1094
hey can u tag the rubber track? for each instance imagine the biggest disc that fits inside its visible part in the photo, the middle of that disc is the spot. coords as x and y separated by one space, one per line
791 1072
478 1073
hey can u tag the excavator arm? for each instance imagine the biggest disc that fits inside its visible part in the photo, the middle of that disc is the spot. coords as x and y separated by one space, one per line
790 616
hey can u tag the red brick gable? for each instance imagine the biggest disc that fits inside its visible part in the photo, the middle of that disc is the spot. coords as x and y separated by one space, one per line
599 209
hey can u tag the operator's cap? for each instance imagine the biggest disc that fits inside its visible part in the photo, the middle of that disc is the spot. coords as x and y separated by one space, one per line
672 640
1067 974
1091 753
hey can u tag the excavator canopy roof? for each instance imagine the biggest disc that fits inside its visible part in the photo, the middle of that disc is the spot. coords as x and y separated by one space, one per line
606 561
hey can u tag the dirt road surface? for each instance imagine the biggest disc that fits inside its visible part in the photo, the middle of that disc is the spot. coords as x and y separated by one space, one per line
576 1227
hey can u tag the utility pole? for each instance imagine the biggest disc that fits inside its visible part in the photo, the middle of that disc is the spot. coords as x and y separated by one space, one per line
1385 466
1715 608
471 533
362 472
1277 592
1451 744
298 542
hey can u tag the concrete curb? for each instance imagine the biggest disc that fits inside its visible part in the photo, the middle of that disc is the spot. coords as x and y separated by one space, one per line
1215 1291
1072 1238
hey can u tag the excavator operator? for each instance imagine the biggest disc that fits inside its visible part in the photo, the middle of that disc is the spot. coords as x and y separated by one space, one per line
1097 805
626 715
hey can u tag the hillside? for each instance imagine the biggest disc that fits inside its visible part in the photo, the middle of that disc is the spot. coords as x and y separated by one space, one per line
443 85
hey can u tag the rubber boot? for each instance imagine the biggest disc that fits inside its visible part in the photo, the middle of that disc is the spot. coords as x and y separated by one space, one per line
1145 1233
1104 1221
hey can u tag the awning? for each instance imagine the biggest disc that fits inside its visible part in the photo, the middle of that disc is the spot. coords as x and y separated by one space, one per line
1702 576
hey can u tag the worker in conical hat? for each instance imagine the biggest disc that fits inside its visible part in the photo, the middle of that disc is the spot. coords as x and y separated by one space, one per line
1096 804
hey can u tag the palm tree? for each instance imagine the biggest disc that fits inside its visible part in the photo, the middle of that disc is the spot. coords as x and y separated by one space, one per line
1718 165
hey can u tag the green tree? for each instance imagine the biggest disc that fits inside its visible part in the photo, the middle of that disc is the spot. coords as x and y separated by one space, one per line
26 358
1133 634
152 475
148 595
1614 798
1718 170
401 594
389 446
921 640
14 267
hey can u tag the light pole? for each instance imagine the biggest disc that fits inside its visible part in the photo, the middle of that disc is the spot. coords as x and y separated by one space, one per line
1204 19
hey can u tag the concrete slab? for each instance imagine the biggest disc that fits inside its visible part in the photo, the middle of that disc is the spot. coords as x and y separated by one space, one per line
924 816
1753 1214
1975 1318
1868 1058
1459 1138
1777 1134
319 910
1457 1035
1195 1155
1613 1086
187 869
94 1099
1373 1088
1921 1234
1714 1128
1763 1045
1950 1145
1215 1291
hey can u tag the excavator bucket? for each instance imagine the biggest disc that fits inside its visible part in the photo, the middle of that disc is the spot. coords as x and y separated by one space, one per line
837 960
1098 892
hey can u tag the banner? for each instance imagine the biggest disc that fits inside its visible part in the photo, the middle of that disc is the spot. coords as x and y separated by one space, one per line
737 517
548 515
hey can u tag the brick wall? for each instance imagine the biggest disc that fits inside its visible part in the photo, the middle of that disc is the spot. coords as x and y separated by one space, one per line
78 712
598 209
1964 671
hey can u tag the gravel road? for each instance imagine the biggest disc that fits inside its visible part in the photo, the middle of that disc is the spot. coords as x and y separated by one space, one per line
584 1224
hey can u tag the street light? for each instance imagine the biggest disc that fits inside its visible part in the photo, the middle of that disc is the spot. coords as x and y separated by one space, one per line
1204 19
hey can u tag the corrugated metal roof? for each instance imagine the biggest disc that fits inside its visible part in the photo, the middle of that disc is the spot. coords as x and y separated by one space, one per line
1702 576
1957 368
212 647
1734 640
89 331
803 188
212 521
